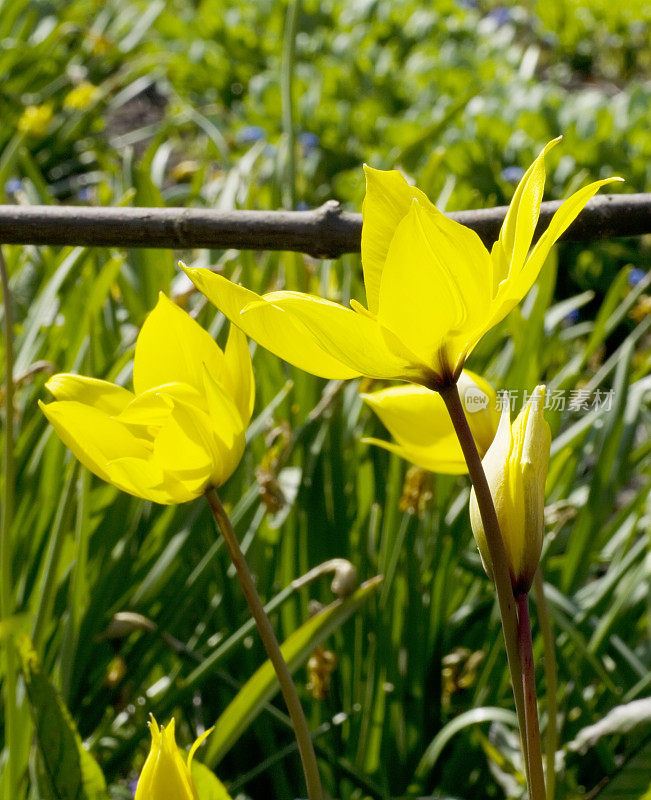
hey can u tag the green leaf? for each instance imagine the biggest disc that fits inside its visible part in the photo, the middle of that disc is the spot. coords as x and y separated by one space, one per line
69 772
616 304
632 781
208 785
465 720
263 685
620 719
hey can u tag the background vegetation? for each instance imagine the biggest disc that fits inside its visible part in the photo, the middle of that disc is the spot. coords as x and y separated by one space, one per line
225 105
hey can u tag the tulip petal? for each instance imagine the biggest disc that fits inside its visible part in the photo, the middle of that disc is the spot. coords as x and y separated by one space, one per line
94 437
419 422
224 417
220 433
355 340
441 461
495 464
171 348
147 480
496 458
181 447
238 375
92 392
226 430
388 199
522 217
560 222
516 286
197 744
165 775
479 401
415 416
435 281
152 408
531 442
277 331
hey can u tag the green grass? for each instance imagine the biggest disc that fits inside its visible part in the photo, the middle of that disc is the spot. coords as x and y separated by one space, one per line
453 98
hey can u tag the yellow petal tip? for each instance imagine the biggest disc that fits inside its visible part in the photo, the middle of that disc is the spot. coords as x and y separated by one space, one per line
52 383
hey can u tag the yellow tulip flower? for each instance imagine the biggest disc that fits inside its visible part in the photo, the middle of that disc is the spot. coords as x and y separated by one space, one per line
418 420
166 775
79 98
516 469
35 120
432 288
181 431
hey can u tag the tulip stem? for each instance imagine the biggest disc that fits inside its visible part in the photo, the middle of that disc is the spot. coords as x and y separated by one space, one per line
551 682
536 775
301 730
501 575
6 550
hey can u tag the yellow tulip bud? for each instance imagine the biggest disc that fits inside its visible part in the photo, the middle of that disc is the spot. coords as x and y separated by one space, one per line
166 774
516 469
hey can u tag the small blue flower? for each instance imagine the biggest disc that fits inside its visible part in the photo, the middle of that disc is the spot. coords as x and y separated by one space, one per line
250 134
500 15
302 205
86 194
13 185
308 141
635 276
572 317
512 174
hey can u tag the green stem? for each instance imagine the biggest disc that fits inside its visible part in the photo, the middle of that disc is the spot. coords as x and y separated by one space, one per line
536 776
551 683
286 95
301 730
6 549
207 665
501 575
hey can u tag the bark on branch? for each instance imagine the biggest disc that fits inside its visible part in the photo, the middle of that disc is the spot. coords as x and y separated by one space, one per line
325 232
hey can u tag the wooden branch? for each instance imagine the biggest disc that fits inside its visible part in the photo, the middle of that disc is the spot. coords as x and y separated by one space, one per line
325 232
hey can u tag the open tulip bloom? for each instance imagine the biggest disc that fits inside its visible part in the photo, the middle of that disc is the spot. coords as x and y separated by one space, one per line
181 431
418 420
432 288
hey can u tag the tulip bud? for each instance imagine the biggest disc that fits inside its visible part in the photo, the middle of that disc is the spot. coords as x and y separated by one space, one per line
516 469
166 775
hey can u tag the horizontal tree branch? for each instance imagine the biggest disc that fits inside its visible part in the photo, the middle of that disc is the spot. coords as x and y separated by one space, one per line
325 232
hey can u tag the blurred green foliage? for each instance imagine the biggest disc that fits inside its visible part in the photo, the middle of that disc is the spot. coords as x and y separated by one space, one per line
459 94
187 110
